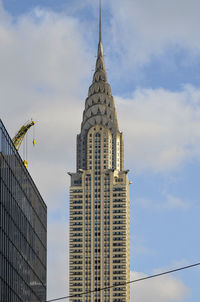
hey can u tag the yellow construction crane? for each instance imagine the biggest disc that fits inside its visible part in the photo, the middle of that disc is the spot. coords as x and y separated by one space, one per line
17 140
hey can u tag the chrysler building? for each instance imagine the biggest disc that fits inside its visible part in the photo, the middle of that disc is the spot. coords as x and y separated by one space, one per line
99 200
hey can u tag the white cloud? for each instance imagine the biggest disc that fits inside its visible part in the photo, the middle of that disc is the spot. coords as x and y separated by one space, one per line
43 62
44 66
169 202
55 151
58 245
176 203
148 28
162 289
161 128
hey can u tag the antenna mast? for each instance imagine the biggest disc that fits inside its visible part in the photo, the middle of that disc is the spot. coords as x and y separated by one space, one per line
99 21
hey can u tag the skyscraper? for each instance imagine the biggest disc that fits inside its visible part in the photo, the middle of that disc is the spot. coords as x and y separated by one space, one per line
99 199
23 222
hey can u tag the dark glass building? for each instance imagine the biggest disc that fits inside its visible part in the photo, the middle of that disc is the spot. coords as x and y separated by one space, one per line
23 221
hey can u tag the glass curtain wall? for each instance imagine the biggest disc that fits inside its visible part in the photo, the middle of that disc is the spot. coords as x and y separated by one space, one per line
23 221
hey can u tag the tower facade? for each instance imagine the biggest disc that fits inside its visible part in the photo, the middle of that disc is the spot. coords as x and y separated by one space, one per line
99 200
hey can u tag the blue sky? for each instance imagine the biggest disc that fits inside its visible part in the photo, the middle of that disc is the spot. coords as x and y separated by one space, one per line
152 55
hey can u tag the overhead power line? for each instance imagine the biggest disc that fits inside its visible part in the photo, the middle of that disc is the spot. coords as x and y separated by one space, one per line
126 283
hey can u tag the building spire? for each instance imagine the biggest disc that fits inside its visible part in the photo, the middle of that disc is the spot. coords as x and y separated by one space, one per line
100 46
99 21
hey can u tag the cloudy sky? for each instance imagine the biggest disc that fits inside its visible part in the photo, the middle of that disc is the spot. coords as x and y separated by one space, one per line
152 55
